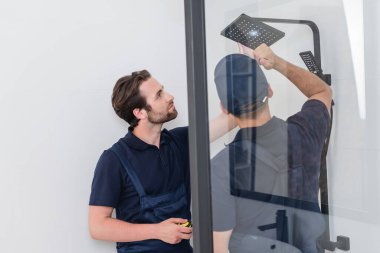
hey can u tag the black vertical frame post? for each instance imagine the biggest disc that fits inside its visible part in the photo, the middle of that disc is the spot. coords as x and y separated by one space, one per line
198 125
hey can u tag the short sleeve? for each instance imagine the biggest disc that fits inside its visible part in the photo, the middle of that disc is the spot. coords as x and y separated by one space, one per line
107 181
312 121
182 134
223 203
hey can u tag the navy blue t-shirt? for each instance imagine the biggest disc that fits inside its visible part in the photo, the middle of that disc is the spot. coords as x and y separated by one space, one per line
158 169
301 136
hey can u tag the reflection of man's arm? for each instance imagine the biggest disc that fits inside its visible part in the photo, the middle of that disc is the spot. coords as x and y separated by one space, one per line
308 83
221 125
221 240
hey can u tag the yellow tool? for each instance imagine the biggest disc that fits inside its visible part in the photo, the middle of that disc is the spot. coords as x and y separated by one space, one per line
186 224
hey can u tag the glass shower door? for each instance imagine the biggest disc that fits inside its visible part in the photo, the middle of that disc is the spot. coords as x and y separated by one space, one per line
244 196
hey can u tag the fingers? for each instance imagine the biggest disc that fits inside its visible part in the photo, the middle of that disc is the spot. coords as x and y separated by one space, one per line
262 46
174 241
265 56
185 230
255 55
262 51
245 50
176 220
263 61
180 237
172 232
241 50
185 236
185 233
182 233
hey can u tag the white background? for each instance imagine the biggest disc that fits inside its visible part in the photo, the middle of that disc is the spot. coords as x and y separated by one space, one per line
60 59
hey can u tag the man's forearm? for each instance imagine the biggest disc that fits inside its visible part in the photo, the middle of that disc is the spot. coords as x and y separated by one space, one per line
103 227
221 125
221 240
110 229
308 83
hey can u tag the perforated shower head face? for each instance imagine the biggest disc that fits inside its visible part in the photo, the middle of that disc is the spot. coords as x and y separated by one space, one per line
251 33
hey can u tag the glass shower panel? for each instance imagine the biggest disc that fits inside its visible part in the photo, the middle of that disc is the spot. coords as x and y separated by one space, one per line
269 193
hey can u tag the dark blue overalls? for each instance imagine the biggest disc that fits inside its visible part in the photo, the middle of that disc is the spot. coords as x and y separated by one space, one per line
154 209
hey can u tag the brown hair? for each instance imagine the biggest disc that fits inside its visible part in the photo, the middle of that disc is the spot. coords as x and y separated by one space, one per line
126 96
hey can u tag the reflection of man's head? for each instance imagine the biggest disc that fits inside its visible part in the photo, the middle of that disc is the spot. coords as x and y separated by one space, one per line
241 84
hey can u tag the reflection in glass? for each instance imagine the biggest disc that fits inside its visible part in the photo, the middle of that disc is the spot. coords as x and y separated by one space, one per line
265 182
350 53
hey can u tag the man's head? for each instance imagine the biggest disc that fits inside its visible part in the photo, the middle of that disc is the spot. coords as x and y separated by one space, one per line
241 84
141 97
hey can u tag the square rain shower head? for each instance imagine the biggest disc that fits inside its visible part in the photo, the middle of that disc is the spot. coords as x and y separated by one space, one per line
251 33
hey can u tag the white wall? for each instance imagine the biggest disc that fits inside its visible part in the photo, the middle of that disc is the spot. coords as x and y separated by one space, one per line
59 61
349 32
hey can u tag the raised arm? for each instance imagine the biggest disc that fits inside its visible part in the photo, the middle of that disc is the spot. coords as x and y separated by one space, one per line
220 125
308 83
103 227
221 240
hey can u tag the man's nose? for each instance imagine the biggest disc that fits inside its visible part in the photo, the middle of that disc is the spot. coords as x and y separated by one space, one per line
170 97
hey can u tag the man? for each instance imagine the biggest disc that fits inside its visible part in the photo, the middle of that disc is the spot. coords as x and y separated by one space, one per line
265 183
145 175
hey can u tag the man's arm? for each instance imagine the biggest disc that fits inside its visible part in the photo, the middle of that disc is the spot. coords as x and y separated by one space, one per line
221 240
220 125
103 227
308 83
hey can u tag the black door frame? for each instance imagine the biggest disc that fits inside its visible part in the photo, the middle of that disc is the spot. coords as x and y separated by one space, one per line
198 125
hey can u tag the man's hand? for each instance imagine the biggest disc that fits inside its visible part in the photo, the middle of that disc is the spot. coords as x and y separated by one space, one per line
265 57
245 50
308 83
262 54
170 232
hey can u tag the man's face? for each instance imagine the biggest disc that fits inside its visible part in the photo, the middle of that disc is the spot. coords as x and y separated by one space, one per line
161 103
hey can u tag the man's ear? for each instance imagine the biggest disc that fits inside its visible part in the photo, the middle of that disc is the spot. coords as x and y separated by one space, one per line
224 110
270 91
140 113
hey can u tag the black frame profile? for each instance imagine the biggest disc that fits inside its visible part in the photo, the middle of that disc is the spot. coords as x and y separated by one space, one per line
198 125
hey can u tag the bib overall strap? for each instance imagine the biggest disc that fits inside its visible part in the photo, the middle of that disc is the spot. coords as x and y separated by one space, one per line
120 153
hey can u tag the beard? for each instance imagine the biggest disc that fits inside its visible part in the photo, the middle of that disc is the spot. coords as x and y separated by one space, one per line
160 118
